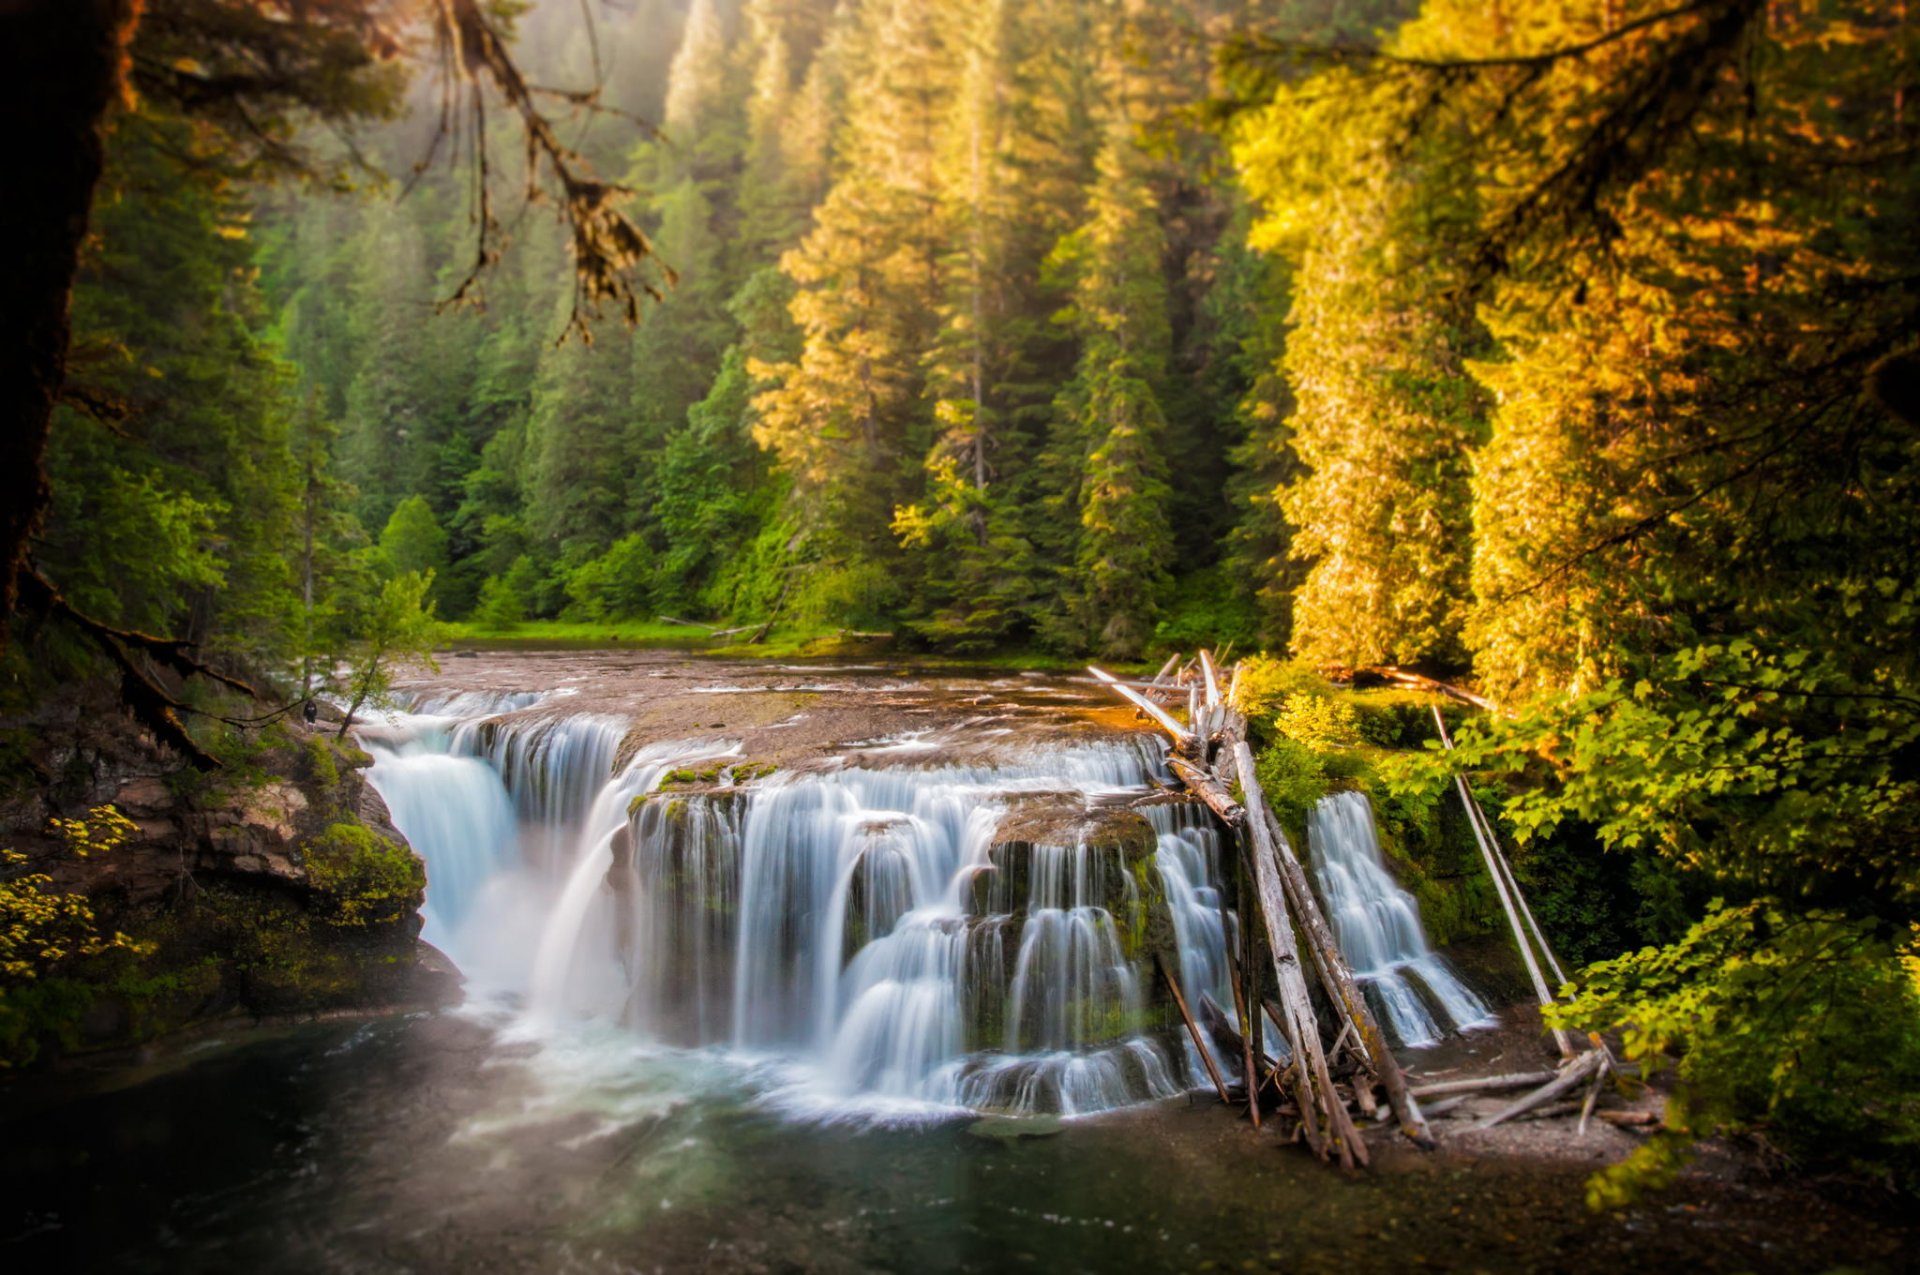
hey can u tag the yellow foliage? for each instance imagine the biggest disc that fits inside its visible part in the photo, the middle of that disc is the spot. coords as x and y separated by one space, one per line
40 927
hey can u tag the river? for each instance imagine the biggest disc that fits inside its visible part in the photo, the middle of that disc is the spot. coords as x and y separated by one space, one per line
750 948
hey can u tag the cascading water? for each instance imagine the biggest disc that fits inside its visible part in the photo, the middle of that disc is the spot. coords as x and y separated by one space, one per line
894 934
891 931
1377 925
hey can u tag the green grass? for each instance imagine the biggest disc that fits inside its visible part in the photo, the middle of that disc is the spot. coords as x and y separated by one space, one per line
784 642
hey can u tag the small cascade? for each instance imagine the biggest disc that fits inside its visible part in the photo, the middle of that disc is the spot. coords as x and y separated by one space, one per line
555 767
455 812
1377 925
907 934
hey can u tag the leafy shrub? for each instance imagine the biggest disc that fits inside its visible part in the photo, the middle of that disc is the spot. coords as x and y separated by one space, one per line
1802 1030
1294 779
368 879
500 607
1265 682
617 585
1321 722
43 931
859 594
1208 608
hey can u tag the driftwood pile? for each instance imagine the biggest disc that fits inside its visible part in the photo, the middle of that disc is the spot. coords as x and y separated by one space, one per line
1333 1061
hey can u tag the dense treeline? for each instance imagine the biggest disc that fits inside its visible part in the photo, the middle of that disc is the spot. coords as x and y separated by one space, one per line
1568 348
962 342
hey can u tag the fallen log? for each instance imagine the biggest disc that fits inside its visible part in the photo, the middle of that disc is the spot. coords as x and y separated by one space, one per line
1210 790
1396 676
1141 702
1337 978
1314 1090
1570 1076
1484 1084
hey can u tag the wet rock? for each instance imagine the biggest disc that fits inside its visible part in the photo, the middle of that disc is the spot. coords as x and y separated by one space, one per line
1014 1128
220 879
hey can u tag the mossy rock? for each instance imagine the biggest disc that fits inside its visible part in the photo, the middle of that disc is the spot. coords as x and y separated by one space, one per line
361 877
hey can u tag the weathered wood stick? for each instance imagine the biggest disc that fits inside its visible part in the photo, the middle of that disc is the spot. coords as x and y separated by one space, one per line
1247 1027
1483 1084
1593 1096
1210 790
1476 814
1343 990
1506 897
1572 1074
1165 669
1193 1028
1291 980
1140 701
1213 683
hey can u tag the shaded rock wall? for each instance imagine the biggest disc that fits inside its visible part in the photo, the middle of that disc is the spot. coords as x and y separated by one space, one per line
277 885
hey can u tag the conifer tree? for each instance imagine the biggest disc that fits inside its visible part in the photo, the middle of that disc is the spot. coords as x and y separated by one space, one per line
1112 432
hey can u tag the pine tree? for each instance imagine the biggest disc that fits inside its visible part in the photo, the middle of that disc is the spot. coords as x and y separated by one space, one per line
848 419
1112 426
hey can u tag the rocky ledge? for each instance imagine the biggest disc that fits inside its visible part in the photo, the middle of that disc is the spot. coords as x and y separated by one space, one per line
275 886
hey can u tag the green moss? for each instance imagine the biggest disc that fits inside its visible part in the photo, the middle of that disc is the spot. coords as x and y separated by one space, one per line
321 765
748 771
45 1012
368 879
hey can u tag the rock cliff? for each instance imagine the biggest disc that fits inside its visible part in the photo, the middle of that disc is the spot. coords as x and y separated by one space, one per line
277 885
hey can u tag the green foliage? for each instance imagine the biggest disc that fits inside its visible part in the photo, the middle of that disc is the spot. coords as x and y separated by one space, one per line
1263 683
1294 778
413 540
44 931
1321 722
41 928
1801 1029
396 629
368 880
500 605
1210 609
617 585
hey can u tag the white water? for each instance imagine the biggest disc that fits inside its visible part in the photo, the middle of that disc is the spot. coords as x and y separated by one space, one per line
1377 925
851 925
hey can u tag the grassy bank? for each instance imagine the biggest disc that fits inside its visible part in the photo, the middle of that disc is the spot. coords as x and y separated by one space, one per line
782 643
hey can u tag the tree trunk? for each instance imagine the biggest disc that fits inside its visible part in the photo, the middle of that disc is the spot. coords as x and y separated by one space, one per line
60 70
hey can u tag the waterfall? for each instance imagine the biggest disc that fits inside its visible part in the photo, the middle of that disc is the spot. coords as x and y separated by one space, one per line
880 927
1377 925
888 931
